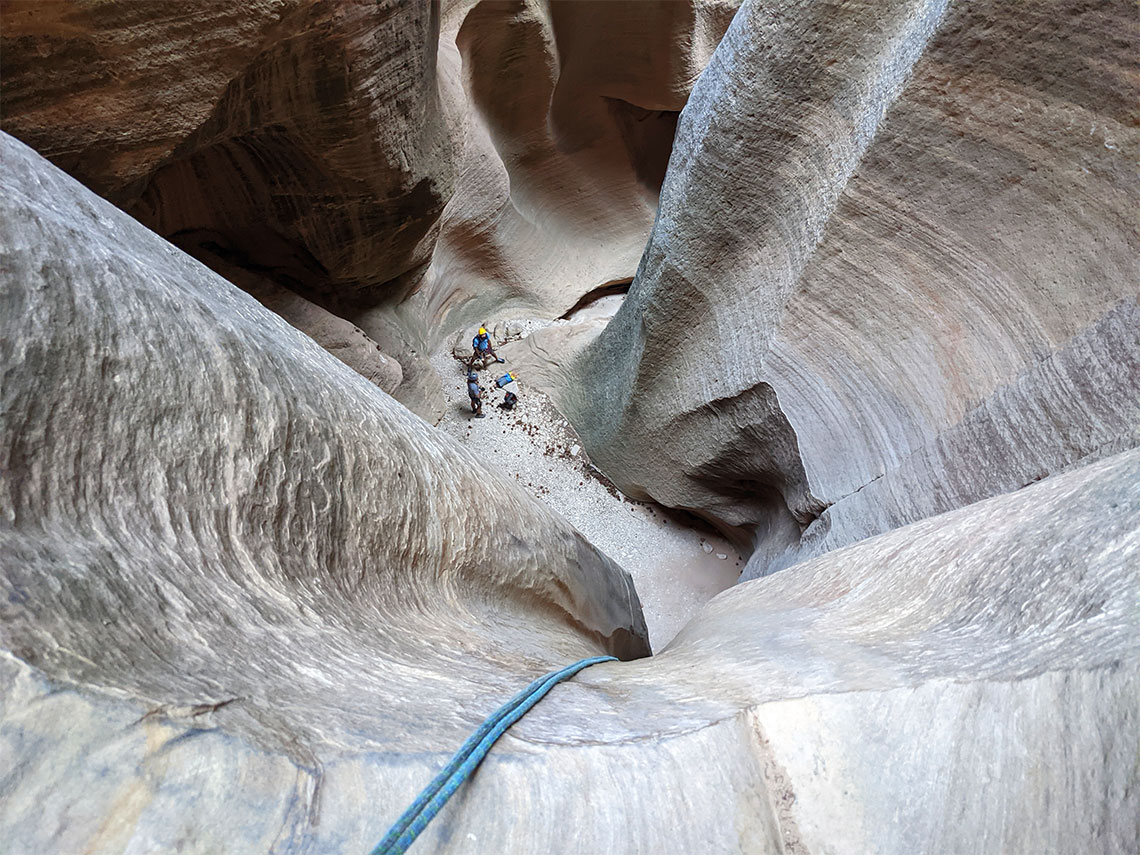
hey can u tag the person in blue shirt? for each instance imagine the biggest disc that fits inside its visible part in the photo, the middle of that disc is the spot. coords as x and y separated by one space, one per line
474 393
481 345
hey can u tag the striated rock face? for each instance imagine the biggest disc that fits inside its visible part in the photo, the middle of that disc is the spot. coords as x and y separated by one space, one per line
563 118
305 138
292 146
250 604
183 469
346 342
108 91
404 166
327 158
894 271
572 110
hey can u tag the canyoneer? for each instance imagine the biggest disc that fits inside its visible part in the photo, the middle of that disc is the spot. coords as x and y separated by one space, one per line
481 345
474 393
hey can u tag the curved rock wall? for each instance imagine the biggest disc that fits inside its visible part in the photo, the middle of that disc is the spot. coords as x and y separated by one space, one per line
327 155
404 166
894 271
563 121
185 470
250 604
573 112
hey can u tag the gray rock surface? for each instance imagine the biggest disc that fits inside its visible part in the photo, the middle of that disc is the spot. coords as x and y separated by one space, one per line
894 271
250 604
346 342
200 504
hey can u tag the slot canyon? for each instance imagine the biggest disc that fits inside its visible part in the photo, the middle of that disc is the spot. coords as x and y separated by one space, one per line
816 406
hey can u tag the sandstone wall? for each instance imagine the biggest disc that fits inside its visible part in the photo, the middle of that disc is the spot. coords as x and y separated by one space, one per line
108 91
251 604
562 121
405 166
894 271
200 504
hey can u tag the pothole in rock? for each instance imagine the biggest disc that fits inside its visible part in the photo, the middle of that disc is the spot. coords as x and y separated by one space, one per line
676 563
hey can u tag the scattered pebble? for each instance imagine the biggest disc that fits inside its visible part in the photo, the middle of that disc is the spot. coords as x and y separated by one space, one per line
673 580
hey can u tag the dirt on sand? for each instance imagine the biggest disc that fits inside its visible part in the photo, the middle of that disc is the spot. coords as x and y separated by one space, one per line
676 562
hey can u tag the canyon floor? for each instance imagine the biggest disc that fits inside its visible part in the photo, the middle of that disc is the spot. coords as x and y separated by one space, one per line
677 563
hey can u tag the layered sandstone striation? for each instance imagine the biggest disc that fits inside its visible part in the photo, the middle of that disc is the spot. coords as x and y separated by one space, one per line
108 91
292 146
561 134
181 467
250 604
303 139
403 166
894 271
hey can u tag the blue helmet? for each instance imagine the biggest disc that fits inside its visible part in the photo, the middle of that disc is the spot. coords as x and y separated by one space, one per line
471 375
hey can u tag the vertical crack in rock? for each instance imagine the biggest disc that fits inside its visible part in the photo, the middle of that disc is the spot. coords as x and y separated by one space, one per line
303 812
781 794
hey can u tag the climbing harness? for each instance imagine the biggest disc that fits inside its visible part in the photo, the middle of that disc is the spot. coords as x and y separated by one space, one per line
435 795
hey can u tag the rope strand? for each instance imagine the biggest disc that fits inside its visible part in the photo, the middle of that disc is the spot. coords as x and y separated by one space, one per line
470 754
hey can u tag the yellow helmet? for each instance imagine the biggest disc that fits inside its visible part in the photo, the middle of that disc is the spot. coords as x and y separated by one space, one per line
482 331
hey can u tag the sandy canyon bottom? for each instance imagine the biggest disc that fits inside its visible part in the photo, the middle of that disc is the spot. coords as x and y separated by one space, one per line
676 563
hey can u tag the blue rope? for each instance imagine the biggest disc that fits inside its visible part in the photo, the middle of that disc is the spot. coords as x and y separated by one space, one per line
428 803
